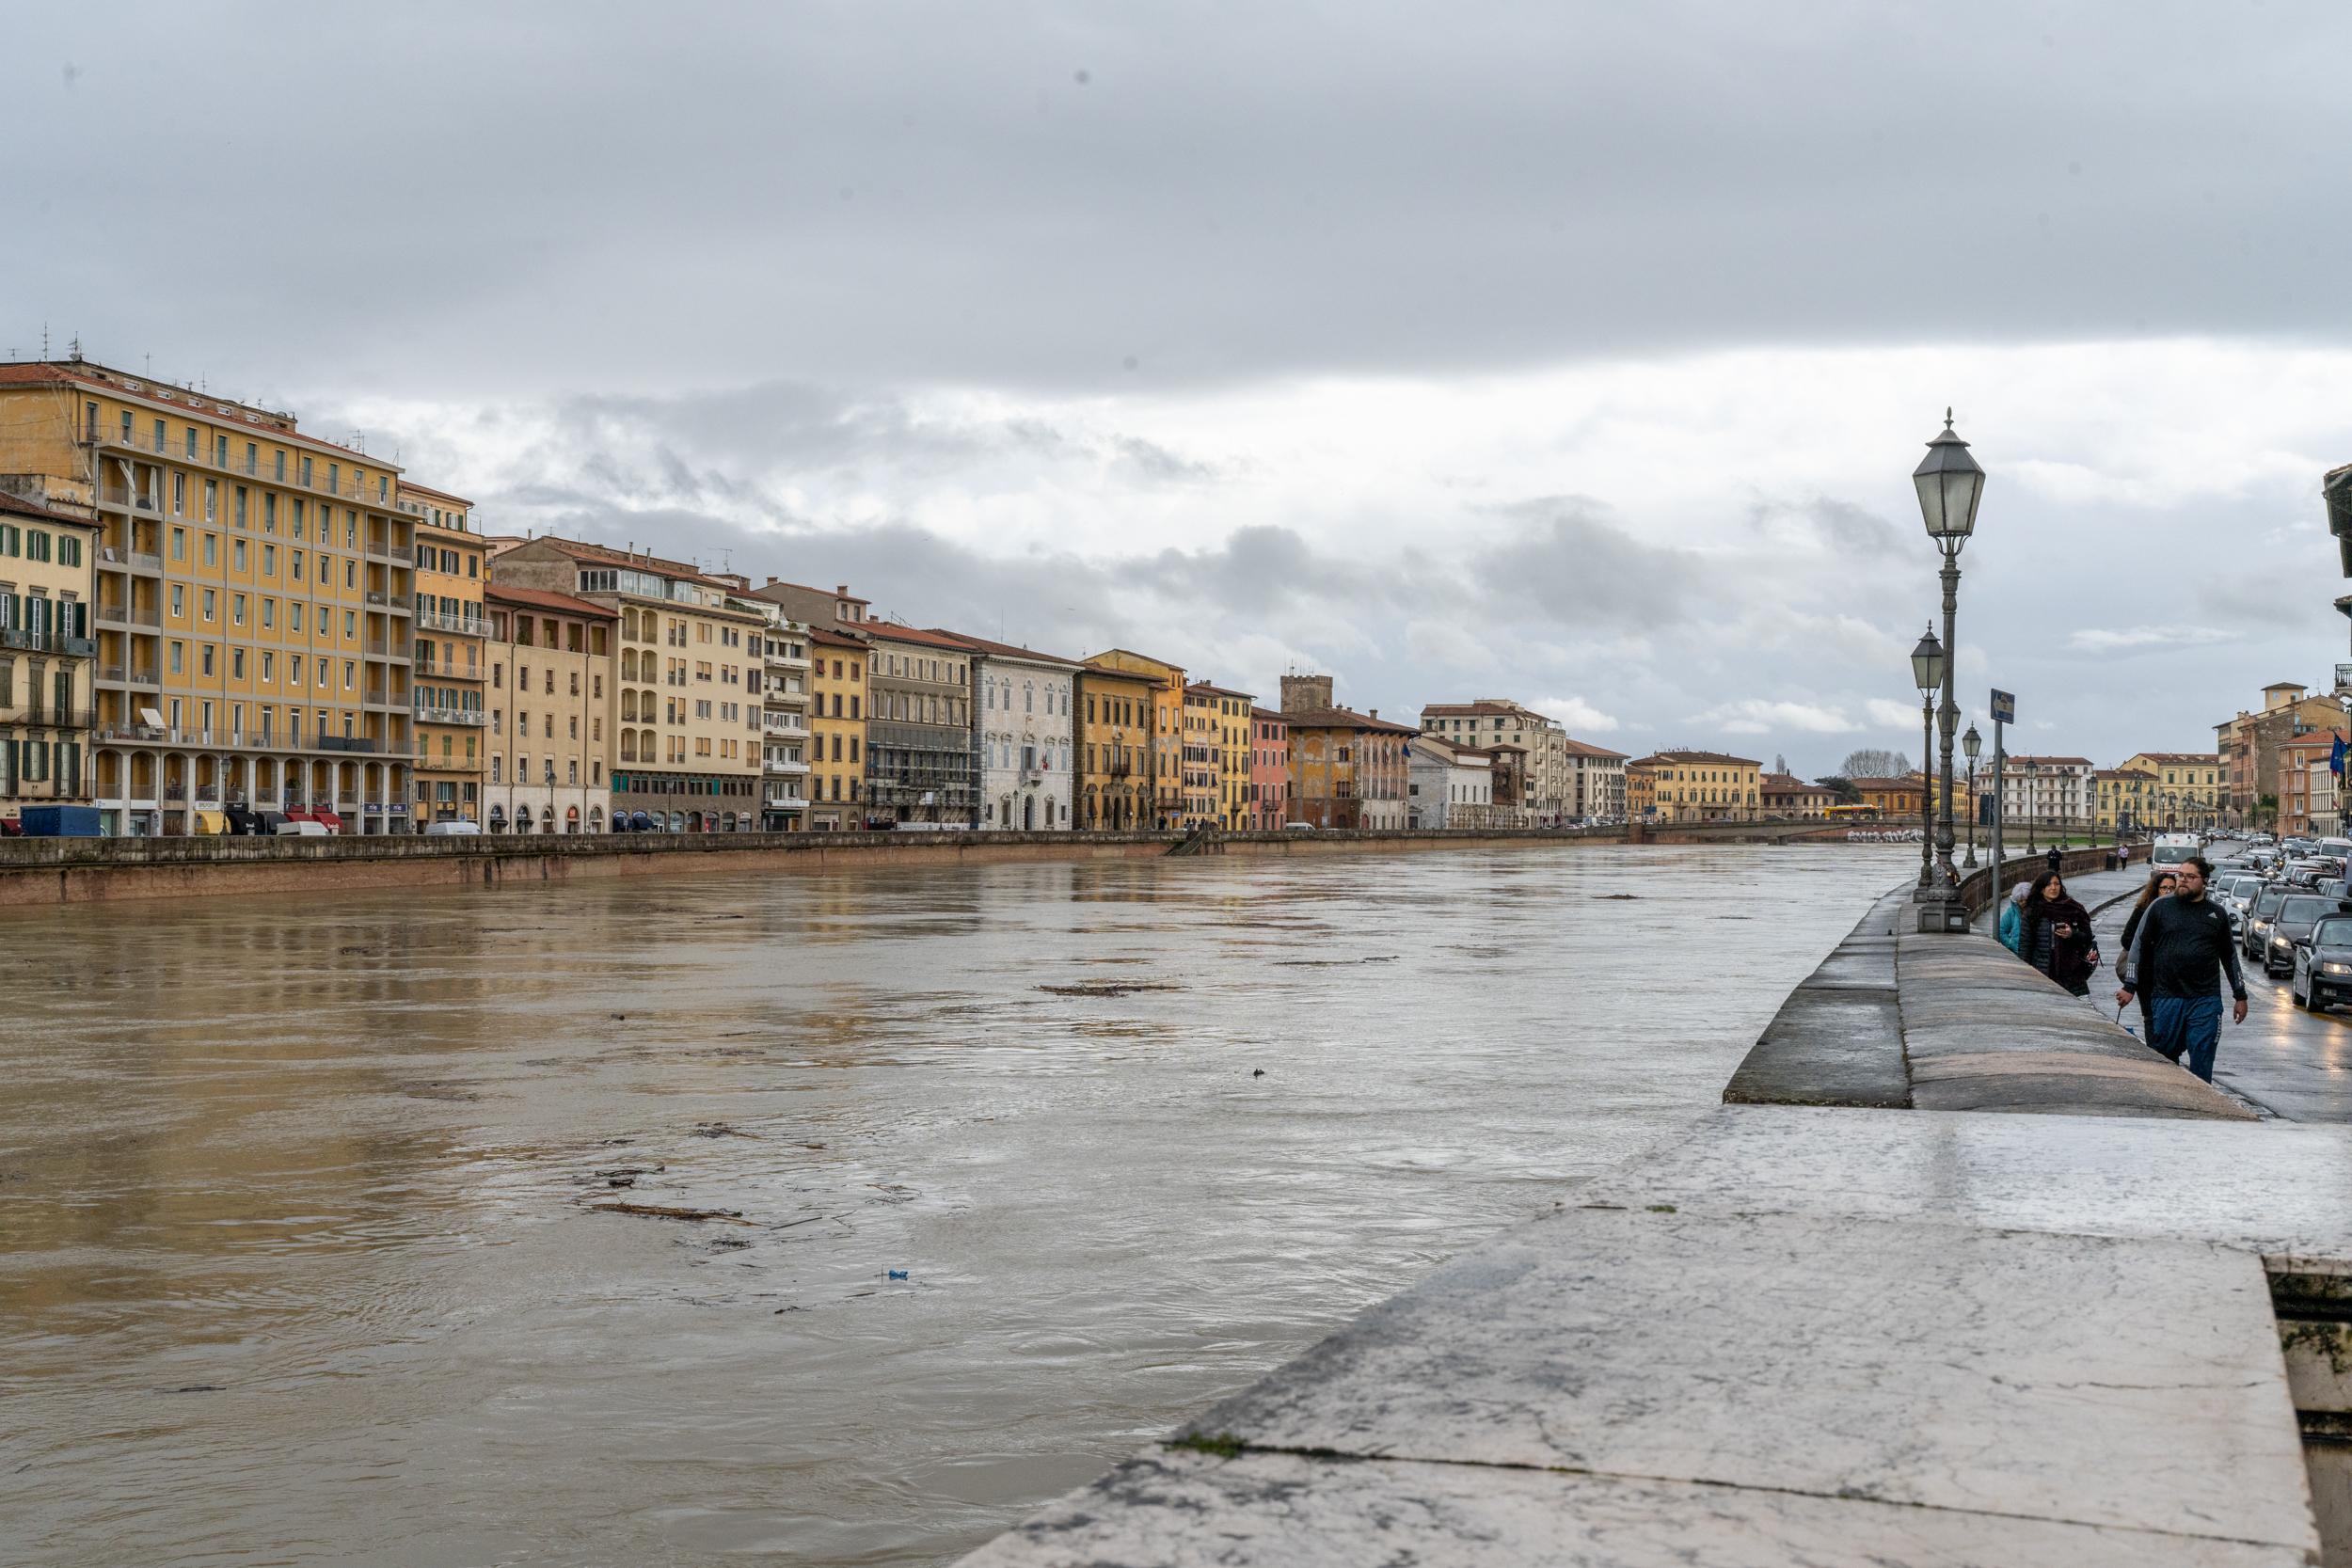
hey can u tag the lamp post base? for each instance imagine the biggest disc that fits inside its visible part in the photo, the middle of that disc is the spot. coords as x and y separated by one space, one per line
1940 911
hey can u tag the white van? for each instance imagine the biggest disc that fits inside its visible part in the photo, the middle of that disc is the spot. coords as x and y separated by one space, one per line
458 828
2174 848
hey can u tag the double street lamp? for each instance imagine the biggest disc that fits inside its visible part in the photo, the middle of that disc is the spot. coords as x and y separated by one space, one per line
1971 744
1949 484
1928 670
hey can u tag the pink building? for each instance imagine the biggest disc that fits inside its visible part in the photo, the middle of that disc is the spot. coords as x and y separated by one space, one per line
1269 800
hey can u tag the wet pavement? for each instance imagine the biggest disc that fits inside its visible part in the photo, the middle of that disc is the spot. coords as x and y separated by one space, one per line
310 1249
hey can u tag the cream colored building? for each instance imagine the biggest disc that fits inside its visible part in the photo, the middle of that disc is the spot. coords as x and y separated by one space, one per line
548 763
688 707
252 600
1500 721
2184 789
47 655
786 677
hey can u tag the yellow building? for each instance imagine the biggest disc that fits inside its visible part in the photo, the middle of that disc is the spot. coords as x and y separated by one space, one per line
1218 718
2186 790
2121 799
837 728
1167 731
1115 749
252 591
1697 787
549 739
452 658
46 655
687 709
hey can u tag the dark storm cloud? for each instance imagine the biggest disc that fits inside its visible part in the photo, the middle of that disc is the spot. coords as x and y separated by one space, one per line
535 197
1565 560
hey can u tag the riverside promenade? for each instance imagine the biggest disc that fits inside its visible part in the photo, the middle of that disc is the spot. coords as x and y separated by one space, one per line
1958 1274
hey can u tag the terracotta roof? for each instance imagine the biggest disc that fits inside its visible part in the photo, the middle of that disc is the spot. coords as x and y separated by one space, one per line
1097 658
1655 757
1586 749
834 637
2192 758
541 598
1208 690
1455 710
2058 761
579 549
277 423
17 506
411 486
892 631
1343 719
804 588
1005 650
1268 714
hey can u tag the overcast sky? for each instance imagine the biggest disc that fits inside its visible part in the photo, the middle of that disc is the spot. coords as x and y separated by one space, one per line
1579 354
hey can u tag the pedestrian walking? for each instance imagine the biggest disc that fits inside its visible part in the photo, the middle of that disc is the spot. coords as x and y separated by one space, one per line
2054 858
2013 925
2057 937
2123 855
2160 885
2181 953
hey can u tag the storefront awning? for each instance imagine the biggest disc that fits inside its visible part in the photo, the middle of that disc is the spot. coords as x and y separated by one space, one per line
210 822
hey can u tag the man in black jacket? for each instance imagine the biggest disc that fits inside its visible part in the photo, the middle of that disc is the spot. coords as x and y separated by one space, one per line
2182 950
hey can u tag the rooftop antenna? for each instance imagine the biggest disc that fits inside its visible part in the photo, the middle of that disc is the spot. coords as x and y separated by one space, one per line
74 346
45 339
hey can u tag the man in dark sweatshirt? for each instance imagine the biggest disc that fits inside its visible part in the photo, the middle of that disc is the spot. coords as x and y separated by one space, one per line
2182 950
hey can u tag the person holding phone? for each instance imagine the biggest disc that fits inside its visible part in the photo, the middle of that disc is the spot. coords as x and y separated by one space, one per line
2056 938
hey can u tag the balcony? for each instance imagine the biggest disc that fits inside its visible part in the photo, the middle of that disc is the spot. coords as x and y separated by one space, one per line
396 603
46 643
40 716
115 674
261 467
131 560
440 713
784 768
783 724
437 620
118 614
784 802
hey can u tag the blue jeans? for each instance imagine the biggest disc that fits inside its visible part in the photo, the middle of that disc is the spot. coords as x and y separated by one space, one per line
2190 1024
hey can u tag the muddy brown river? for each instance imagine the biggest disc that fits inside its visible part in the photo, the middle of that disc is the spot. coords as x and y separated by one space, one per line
307 1249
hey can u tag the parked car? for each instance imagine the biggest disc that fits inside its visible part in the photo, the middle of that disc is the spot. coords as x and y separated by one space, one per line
455 829
2290 928
2237 896
2258 918
1298 827
2323 966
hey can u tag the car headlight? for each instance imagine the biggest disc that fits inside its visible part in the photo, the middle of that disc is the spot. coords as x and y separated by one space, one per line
2333 968
2280 944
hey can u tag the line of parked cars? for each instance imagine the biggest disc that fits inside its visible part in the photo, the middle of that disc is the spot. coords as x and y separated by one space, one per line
2292 910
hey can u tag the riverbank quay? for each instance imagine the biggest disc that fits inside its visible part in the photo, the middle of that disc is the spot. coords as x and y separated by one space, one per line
49 871
2102 1324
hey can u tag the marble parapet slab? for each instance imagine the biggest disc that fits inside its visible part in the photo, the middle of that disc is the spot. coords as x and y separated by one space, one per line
2026 1375
1176 1509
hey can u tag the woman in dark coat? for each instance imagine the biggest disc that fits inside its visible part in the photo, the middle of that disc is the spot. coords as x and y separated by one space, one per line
2057 937
2159 886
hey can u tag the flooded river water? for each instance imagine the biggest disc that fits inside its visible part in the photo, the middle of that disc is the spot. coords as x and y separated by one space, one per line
301 1252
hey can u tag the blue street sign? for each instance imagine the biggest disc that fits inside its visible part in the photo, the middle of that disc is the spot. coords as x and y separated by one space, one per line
2003 708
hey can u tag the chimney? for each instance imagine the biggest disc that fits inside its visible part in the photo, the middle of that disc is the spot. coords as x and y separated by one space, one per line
1375 713
841 591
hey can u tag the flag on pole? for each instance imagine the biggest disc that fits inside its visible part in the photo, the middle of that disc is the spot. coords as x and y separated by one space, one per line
2335 758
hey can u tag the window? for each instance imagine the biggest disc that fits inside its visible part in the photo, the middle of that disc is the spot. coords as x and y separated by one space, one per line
209 604
211 549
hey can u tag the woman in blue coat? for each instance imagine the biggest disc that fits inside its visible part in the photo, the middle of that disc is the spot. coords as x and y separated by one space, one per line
2013 918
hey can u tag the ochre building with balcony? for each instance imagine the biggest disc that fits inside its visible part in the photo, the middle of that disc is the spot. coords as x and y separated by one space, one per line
1166 759
450 668
251 600
1114 749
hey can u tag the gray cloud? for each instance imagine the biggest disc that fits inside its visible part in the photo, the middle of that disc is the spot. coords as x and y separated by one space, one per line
1564 560
871 199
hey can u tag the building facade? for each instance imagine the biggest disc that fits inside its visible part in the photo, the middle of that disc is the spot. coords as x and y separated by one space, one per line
1695 787
1167 730
1596 782
1897 800
2120 799
784 696
1267 807
1348 769
687 706
1551 786
1788 795
918 728
1219 719
1115 709
2051 793
549 690
1024 718
2186 787
837 724
2248 746
48 658
450 650
2309 800
251 599
1446 786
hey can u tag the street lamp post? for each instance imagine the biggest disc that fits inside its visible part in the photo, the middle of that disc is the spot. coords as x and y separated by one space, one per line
2033 801
1949 483
1927 673
1972 743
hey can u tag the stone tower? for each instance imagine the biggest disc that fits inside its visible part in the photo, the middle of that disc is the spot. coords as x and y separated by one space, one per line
1306 694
